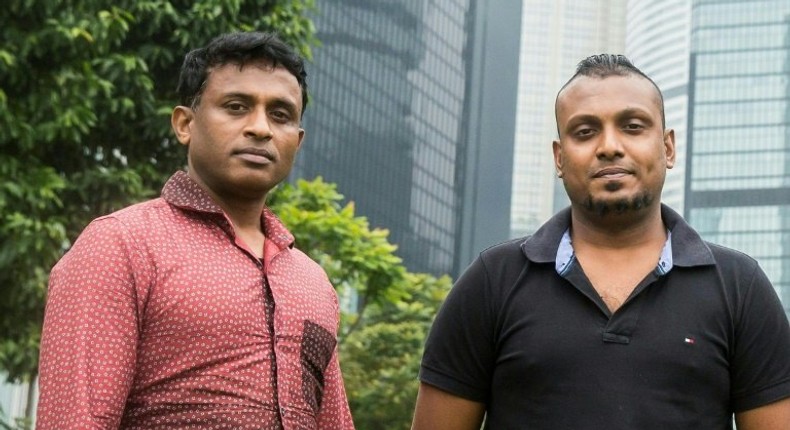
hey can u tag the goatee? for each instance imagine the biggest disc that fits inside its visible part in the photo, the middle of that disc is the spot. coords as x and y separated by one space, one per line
620 206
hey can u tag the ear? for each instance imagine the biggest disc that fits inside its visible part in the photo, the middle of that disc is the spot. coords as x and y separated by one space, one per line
301 137
669 147
181 120
556 147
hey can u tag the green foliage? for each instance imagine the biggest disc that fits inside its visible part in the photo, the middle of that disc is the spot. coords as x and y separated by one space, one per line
86 90
381 360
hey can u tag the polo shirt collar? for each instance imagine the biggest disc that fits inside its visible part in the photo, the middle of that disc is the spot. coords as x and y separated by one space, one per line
566 256
183 192
687 247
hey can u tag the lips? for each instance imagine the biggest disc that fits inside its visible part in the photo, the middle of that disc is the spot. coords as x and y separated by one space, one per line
255 155
611 172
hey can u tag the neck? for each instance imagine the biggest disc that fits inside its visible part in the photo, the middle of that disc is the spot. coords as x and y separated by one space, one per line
617 231
245 214
244 211
246 218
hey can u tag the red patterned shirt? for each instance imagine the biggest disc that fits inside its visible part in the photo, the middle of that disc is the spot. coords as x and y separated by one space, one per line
159 317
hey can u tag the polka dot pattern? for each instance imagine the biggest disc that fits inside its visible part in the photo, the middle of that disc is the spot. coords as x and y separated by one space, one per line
158 318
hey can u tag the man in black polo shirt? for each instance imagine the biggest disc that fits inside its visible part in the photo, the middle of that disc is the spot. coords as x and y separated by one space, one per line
614 314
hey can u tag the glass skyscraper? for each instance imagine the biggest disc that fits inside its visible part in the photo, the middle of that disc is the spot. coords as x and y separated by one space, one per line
738 178
397 90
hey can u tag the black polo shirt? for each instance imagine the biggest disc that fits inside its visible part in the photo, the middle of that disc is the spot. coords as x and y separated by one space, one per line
542 351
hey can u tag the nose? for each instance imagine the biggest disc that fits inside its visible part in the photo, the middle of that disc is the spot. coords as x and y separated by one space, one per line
610 145
258 126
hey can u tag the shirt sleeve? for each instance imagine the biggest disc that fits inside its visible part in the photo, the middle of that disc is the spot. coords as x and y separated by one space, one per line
459 352
760 364
89 338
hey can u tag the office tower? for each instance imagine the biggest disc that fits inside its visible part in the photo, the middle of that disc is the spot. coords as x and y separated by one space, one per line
412 115
658 41
555 36
738 178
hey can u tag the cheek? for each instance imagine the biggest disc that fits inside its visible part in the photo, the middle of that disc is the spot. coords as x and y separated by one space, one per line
289 147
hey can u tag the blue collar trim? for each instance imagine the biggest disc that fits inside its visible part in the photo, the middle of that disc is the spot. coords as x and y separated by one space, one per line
566 257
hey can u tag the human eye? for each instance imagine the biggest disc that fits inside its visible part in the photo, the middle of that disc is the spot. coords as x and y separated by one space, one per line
281 115
584 132
235 107
633 126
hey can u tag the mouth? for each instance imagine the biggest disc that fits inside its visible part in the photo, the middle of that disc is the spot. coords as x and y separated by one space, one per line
255 155
611 173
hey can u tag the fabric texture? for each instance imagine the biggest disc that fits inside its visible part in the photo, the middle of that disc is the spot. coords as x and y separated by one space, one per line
159 317
687 348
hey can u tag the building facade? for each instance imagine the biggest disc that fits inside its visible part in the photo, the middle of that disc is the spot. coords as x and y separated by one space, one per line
738 175
400 93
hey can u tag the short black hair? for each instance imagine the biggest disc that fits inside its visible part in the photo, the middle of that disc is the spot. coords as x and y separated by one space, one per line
604 65
239 48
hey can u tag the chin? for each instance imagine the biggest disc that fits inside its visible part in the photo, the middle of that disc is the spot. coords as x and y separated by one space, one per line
618 206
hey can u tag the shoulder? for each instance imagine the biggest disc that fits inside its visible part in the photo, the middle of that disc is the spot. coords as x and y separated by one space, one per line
504 259
138 216
137 213
117 232
730 257
508 248
734 266
505 252
495 270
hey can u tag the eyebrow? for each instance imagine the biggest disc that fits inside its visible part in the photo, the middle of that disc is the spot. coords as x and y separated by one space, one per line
277 102
625 113
574 121
629 112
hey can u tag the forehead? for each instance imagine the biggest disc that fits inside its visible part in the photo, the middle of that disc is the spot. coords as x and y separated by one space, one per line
252 78
593 95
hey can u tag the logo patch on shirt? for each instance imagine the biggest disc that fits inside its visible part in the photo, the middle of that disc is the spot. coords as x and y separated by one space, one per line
688 340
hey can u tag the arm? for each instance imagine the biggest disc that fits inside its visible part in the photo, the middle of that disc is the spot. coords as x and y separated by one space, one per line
334 413
773 416
454 386
89 338
760 365
440 410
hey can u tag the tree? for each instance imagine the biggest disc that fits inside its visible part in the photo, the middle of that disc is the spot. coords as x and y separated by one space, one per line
86 88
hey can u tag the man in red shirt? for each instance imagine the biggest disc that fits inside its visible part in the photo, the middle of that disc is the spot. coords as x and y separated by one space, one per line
195 309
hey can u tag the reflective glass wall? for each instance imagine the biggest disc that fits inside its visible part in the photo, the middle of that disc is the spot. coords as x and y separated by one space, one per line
385 117
738 176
